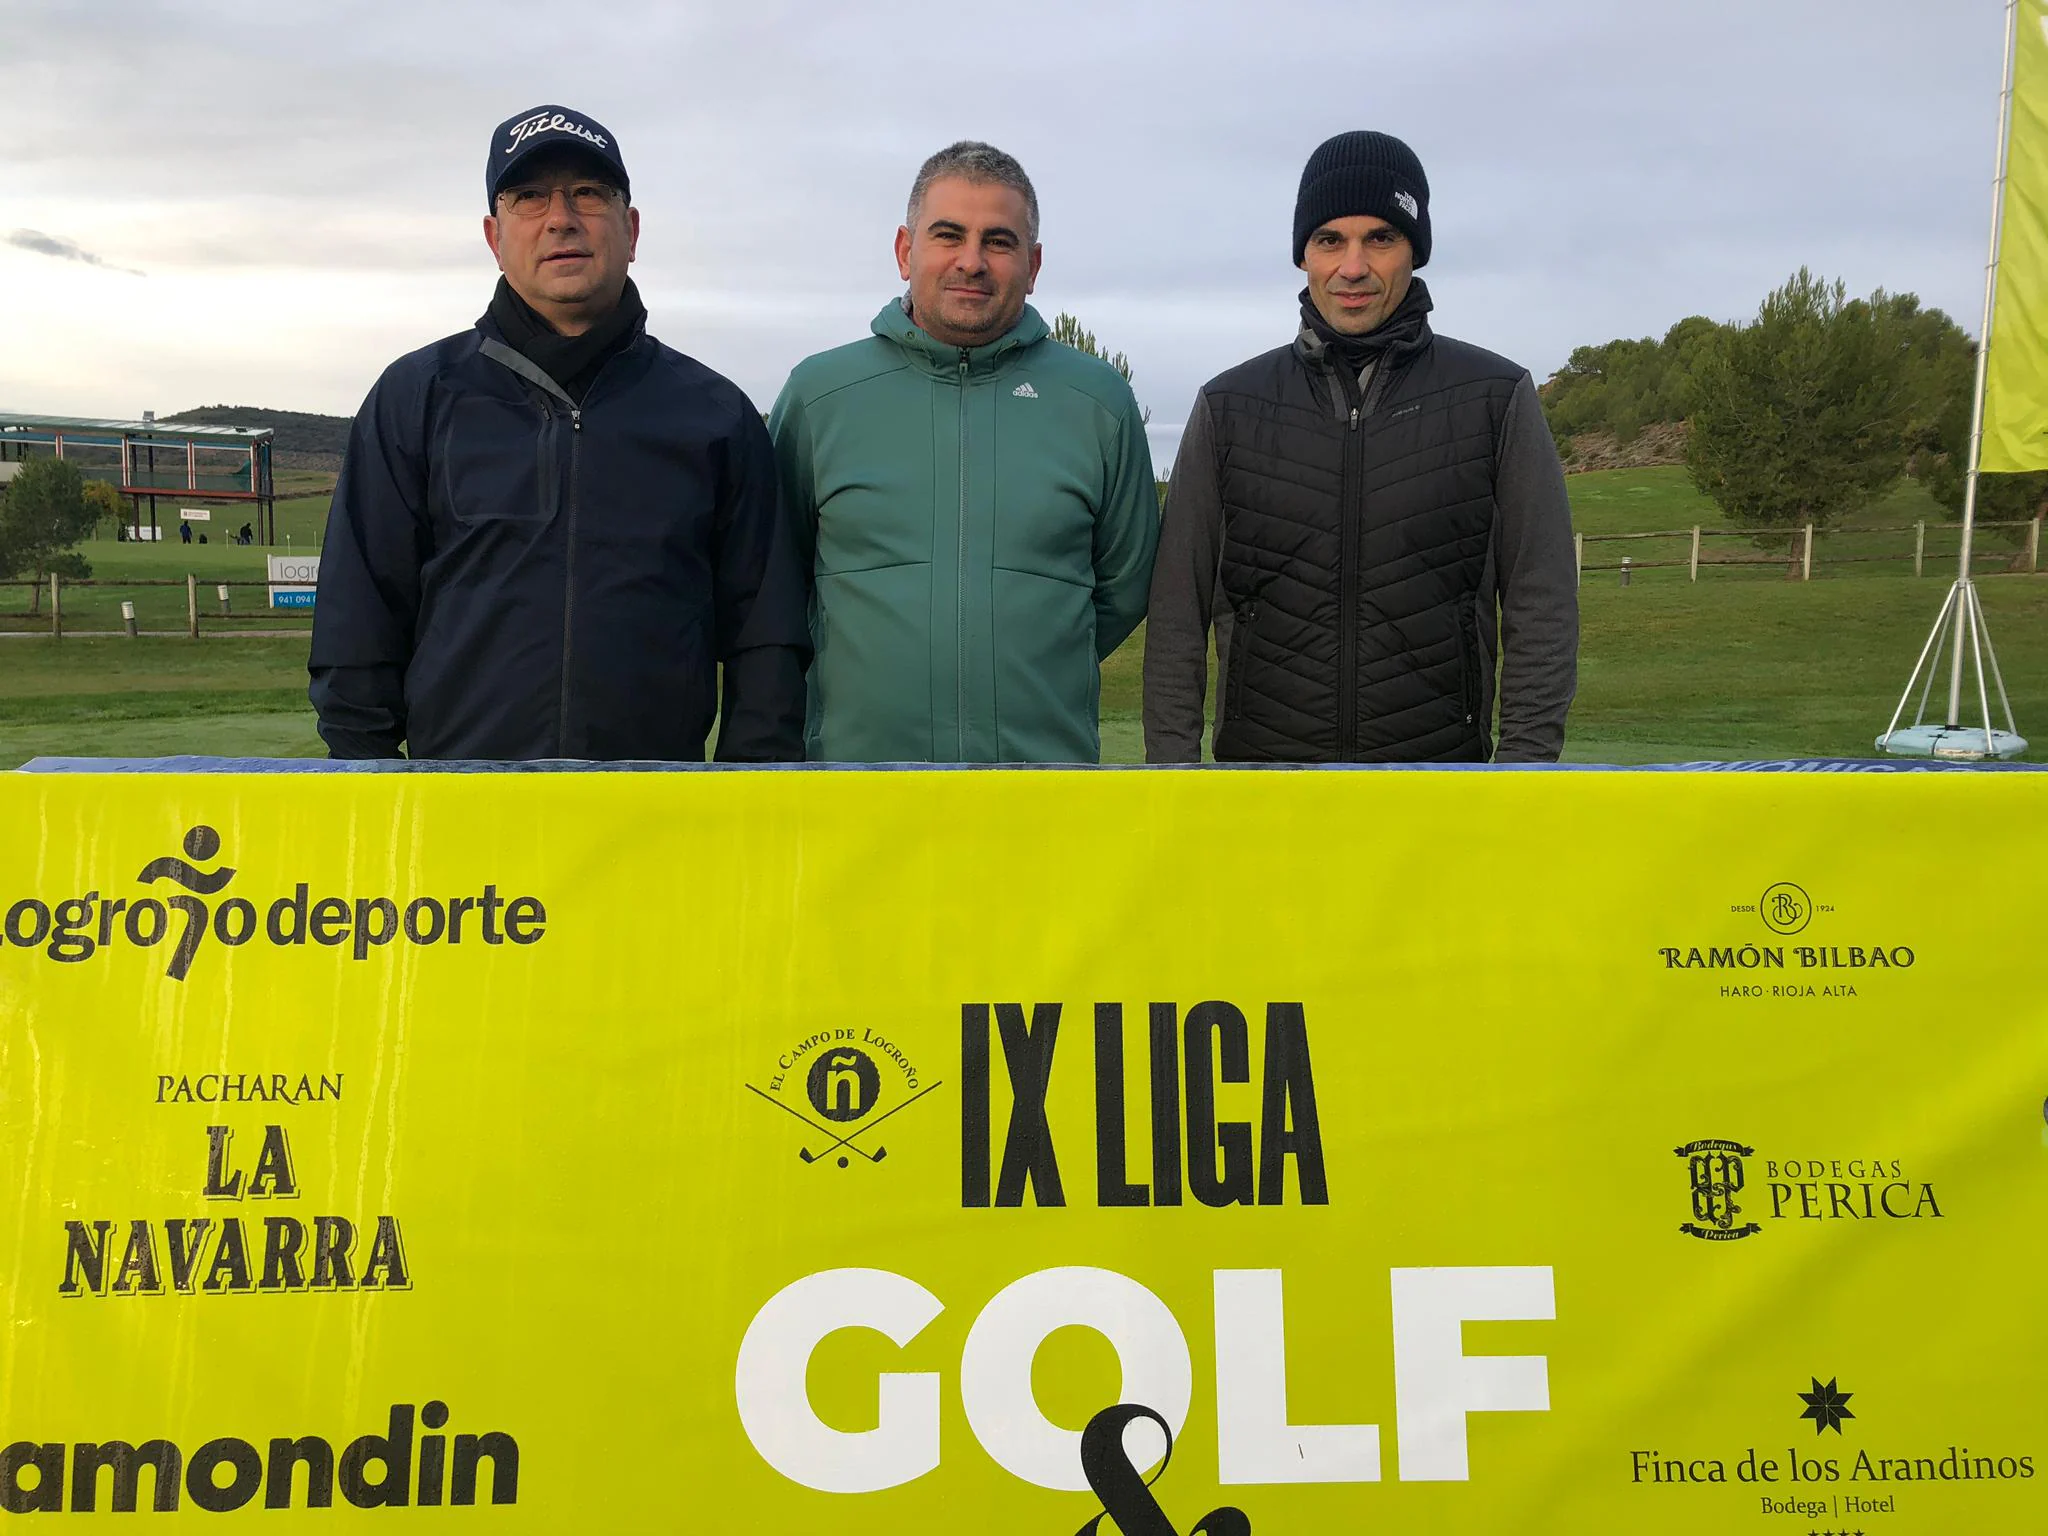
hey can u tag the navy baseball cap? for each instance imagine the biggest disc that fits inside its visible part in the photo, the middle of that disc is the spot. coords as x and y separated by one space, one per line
518 139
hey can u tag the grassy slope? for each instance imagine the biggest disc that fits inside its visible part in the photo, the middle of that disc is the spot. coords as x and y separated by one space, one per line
1744 664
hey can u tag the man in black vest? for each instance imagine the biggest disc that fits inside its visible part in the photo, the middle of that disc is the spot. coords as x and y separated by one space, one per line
554 537
1373 518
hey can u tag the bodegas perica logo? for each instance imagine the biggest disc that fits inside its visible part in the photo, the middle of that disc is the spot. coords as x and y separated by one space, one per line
843 1085
178 904
1732 1192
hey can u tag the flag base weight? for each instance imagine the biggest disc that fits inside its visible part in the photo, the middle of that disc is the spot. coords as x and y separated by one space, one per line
1955 743
1959 625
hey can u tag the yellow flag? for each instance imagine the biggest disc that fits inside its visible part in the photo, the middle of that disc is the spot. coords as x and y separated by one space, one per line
2016 386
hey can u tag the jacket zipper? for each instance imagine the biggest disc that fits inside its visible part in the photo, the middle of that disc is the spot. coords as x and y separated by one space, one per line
1468 692
960 585
1352 511
568 580
1240 658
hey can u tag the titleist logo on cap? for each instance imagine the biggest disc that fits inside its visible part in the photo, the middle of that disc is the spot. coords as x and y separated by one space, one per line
550 122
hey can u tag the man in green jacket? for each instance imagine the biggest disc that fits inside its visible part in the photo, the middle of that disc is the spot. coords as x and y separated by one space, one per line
981 498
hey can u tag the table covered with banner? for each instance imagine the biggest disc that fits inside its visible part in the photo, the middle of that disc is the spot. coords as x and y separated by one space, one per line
1027 1152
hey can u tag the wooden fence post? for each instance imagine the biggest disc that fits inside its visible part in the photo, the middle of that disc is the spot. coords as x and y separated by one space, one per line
1578 559
2034 544
1920 549
1806 558
1695 574
192 605
56 608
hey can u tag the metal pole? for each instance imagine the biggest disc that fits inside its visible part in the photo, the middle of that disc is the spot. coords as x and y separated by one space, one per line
192 605
1695 552
1806 556
1977 649
1578 558
1955 676
2034 545
1919 549
56 608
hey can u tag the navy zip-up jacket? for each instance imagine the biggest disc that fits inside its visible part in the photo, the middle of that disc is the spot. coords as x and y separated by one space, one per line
510 575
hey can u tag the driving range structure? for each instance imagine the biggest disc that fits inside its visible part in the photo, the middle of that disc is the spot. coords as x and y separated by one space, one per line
148 459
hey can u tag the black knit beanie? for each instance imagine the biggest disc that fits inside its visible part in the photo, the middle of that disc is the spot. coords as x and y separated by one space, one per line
1369 173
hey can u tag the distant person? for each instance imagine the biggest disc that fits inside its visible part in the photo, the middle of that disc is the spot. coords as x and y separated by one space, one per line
551 531
979 497
184 533
245 535
1372 517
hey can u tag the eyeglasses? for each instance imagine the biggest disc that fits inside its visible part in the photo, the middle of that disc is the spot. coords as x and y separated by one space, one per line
589 198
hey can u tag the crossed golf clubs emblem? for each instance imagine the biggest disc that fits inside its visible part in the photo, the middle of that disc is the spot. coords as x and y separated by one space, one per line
839 1141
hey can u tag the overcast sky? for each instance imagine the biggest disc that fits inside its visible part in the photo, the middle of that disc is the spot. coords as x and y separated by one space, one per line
257 203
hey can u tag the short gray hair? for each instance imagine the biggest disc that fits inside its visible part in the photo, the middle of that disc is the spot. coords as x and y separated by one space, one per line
972 160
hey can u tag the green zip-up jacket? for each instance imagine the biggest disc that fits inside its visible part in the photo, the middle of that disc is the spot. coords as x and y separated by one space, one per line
984 524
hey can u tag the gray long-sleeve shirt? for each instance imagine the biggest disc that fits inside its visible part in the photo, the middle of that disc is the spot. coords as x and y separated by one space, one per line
1531 570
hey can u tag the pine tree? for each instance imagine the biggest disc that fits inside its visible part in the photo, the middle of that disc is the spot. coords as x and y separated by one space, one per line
1066 328
1802 415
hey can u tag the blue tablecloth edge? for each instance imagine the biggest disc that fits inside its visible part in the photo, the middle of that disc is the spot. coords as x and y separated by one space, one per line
195 764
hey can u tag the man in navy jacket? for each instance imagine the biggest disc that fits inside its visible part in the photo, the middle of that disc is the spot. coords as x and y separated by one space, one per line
552 531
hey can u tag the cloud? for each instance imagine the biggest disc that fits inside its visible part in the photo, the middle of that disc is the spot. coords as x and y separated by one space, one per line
1598 168
64 250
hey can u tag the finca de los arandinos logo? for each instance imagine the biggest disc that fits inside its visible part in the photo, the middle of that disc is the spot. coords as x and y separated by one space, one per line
178 905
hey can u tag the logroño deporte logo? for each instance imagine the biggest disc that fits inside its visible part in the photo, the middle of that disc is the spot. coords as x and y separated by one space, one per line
179 904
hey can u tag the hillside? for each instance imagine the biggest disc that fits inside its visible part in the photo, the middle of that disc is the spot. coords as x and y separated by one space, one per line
304 440
1655 444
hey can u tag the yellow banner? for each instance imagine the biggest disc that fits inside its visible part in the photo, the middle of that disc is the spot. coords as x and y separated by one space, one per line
903 1152
2016 381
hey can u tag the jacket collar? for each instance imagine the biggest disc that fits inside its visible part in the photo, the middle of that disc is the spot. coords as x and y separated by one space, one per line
1405 332
934 357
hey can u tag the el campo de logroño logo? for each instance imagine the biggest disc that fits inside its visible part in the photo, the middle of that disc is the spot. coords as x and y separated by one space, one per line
180 906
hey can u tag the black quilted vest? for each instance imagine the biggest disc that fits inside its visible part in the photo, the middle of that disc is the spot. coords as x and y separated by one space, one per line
1357 555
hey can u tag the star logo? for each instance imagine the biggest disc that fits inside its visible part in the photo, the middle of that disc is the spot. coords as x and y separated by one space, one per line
1827 1406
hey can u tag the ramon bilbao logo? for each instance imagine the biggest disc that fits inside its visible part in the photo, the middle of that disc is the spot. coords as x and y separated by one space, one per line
180 904
1787 911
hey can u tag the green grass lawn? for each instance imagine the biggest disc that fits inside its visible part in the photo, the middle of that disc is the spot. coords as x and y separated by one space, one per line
1743 664
152 697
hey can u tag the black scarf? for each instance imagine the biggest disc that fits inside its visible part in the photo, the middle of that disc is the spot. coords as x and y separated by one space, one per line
1401 332
571 361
